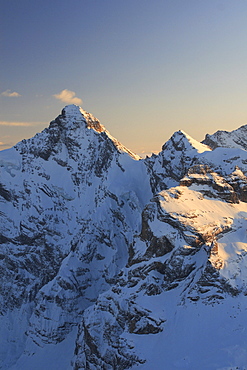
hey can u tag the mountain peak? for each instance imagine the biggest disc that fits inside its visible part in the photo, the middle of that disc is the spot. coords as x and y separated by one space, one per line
74 113
72 110
181 141
74 128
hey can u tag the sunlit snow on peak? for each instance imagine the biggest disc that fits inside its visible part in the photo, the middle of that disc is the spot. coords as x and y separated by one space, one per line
201 148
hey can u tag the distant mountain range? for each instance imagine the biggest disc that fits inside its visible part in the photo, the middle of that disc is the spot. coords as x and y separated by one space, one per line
110 261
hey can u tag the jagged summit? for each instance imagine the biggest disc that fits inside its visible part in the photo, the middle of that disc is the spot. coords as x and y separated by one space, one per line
181 141
228 139
176 157
71 131
74 113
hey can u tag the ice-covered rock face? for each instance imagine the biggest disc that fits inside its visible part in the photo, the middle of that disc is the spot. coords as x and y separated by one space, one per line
101 251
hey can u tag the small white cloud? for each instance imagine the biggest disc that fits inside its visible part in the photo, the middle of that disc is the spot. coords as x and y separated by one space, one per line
67 96
20 124
10 94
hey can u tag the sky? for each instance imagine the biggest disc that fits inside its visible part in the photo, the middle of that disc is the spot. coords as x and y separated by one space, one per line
144 68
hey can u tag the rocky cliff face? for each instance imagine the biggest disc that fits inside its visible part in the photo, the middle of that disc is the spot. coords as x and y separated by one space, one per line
104 254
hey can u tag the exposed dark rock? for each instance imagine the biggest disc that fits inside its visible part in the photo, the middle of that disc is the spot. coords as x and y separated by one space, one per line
5 193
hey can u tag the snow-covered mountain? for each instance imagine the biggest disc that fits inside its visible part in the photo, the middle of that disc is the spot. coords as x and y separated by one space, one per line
109 261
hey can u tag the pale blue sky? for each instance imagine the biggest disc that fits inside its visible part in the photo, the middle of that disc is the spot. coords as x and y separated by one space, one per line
144 68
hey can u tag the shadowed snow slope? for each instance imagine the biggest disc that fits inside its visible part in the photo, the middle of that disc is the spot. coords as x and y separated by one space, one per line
108 261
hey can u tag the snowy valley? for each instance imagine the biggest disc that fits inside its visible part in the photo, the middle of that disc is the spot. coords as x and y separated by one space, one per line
110 261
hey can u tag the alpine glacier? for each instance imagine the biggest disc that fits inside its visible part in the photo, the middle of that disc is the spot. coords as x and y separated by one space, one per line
110 261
